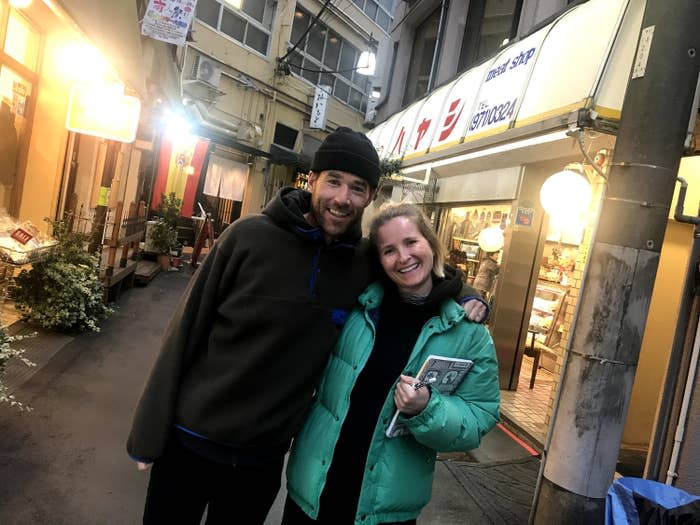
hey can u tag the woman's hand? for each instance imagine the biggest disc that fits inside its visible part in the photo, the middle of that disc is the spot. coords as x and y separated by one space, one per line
409 400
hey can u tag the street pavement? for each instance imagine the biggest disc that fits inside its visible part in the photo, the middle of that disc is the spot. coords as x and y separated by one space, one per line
64 463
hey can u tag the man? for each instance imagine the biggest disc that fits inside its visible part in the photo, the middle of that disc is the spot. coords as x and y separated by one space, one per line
247 345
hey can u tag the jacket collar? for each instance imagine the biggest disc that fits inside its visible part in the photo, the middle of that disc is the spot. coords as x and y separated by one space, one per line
450 311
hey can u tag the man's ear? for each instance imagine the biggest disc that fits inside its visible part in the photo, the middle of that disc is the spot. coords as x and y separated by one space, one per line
311 180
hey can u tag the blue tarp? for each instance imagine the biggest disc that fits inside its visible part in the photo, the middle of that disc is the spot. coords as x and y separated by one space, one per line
634 501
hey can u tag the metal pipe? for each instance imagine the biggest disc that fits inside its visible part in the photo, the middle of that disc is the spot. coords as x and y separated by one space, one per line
688 313
205 119
438 44
680 429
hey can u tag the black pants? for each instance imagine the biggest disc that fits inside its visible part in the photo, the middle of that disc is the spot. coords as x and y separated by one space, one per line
293 515
182 484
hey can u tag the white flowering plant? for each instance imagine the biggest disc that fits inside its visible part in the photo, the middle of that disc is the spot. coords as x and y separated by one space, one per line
64 291
9 351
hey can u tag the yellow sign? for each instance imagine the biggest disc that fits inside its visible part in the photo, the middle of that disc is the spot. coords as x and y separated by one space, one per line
104 112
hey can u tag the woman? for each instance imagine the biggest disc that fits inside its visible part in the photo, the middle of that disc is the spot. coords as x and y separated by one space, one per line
342 466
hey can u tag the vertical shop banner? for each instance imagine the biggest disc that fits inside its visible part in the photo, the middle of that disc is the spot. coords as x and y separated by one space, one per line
319 107
168 20
179 169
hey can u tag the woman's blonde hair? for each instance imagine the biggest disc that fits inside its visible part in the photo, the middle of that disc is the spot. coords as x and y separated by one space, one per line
390 211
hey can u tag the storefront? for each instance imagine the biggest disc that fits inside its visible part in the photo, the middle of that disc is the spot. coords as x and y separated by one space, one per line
486 143
66 111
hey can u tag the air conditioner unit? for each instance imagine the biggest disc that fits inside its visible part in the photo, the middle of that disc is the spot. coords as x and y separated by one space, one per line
206 70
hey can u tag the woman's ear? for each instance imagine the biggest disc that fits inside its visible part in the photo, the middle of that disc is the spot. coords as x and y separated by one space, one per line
311 181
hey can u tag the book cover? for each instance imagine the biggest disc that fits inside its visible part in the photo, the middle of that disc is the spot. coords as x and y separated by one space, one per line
443 374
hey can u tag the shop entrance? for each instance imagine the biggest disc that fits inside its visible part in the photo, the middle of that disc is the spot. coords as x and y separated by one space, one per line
461 228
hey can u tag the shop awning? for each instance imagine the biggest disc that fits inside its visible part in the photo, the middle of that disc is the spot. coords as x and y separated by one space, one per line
534 86
113 28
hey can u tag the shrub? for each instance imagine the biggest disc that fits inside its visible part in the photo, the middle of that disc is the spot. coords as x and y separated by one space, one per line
163 236
63 292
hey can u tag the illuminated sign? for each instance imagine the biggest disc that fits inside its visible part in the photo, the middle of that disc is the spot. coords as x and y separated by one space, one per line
103 111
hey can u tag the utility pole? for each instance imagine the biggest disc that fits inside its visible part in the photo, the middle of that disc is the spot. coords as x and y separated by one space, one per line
607 332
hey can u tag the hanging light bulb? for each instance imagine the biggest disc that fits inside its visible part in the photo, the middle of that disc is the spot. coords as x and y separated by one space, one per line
491 239
566 194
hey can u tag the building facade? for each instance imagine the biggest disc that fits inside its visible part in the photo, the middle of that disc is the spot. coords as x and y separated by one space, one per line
485 100
267 81
242 85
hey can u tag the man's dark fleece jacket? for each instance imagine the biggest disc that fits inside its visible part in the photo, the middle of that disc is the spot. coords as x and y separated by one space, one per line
247 345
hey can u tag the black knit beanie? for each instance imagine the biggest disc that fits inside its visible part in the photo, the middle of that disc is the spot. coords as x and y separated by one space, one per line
348 150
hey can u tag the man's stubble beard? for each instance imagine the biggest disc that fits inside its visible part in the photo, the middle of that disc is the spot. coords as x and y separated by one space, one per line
316 213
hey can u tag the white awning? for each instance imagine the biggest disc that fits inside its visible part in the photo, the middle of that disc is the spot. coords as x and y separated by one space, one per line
581 60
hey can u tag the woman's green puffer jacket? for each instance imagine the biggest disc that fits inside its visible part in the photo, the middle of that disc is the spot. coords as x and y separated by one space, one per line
399 471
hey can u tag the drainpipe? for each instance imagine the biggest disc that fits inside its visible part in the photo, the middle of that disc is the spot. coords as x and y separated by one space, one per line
687 393
206 120
668 410
438 44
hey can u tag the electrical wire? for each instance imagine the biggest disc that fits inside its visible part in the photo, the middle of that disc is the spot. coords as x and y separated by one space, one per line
294 66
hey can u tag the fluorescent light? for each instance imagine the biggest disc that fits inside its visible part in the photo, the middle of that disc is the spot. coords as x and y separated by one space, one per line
510 146
234 3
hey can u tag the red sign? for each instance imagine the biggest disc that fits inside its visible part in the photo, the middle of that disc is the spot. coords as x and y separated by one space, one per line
21 236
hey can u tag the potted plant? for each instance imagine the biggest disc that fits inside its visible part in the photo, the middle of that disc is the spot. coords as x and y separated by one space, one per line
176 254
164 239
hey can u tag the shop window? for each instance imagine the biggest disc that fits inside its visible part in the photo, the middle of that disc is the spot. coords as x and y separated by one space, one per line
22 41
379 11
490 25
421 58
460 229
14 95
251 25
285 136
324 58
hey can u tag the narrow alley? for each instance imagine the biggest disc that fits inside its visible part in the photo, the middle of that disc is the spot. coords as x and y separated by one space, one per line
65 463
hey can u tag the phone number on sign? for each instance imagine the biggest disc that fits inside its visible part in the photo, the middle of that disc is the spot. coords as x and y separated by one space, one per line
493 115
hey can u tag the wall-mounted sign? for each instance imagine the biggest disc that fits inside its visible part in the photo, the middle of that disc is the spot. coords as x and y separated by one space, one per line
103 112
524 216
168 20
319 107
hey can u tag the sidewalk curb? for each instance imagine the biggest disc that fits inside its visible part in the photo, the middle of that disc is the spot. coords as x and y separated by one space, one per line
521 433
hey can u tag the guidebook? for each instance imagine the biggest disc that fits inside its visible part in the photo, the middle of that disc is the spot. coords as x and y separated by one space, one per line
443 374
